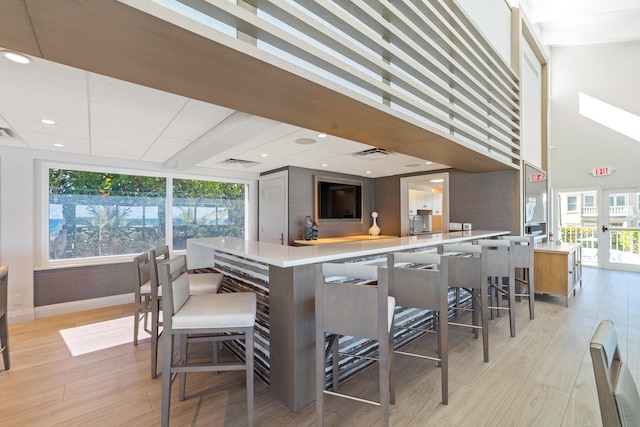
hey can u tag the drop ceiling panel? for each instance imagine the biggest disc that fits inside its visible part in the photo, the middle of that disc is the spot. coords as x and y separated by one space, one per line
127 127
23 110
121 95
164 148
113 149
45 79
195 119
45 141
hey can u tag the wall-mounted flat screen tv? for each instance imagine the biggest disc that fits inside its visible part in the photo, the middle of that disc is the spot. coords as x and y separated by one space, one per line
338 199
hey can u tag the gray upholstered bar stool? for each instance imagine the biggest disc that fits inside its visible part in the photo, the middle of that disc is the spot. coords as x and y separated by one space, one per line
201 283
420 280
501 274
468 272
205 317
347 307
142 291
523 255
4 327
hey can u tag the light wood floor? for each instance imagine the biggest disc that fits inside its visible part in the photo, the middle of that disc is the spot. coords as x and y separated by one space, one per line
542 377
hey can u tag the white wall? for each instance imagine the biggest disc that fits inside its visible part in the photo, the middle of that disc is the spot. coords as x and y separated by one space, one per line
608 72
23 204
17 236
493 19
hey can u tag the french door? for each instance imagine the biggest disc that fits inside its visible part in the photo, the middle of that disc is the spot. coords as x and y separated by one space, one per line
619 231
605 223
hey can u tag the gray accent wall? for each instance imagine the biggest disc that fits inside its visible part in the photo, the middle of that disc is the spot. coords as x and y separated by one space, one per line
60 285
483 199
301 204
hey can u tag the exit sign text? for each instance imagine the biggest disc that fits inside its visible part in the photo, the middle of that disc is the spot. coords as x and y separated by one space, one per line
535 177
601 171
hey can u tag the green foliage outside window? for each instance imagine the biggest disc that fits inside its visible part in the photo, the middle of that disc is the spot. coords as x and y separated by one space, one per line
94 214
99 214
207 209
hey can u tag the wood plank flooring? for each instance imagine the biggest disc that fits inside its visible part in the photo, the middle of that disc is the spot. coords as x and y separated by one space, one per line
542 377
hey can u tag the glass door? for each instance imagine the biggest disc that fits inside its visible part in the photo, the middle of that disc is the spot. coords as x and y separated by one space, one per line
578 222
620 231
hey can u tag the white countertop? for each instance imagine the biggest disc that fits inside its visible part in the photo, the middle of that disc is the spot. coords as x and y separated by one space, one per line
292 256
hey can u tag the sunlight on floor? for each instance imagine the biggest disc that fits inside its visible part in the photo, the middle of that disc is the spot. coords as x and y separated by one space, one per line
99 336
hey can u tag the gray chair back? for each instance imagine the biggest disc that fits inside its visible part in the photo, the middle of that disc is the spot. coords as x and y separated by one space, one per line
617 391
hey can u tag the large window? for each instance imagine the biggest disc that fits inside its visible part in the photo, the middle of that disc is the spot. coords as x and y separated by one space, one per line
96 214
207 209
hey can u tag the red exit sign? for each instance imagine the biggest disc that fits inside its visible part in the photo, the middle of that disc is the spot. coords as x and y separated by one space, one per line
536 177
601 171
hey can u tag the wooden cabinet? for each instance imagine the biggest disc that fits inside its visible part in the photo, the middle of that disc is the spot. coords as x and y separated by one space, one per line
557 269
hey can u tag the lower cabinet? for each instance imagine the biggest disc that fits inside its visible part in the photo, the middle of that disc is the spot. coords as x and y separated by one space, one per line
557 269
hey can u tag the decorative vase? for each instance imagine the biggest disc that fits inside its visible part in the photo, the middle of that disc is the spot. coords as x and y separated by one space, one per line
308 224
374 230
314 231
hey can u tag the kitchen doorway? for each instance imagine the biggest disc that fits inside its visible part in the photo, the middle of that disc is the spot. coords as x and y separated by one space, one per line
424 204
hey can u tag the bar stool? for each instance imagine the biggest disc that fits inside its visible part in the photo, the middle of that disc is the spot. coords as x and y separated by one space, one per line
142 291
345 308
211 317
420 280
501 276
199 284
467 268
523 255
4 328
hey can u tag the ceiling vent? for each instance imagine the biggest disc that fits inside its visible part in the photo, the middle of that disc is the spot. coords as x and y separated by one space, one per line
373 154
239 162
6 133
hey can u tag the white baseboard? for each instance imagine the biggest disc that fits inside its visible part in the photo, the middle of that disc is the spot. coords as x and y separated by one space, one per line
89 304
20 316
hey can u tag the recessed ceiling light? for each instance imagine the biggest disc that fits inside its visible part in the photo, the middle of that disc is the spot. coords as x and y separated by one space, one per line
58 145
305 141
322 135
427 162
368 172
263 155
16 57
48 121
324 165
437 180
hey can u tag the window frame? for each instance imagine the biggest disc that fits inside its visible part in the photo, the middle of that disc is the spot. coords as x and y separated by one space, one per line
42 207
576 209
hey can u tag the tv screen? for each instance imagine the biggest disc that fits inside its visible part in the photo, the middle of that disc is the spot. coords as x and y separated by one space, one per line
339 199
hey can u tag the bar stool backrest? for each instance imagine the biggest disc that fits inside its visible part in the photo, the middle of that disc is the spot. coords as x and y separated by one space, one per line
617 391
418 287
353 309
523 247
499 255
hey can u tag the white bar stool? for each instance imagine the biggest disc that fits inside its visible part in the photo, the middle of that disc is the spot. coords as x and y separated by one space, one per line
214 317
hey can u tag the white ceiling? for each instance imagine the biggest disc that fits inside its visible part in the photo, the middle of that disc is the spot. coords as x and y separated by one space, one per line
579 22
101 116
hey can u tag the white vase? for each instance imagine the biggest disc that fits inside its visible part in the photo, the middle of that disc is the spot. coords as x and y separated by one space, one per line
374 230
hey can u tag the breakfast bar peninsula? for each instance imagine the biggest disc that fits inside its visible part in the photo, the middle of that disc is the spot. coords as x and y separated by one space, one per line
283 279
